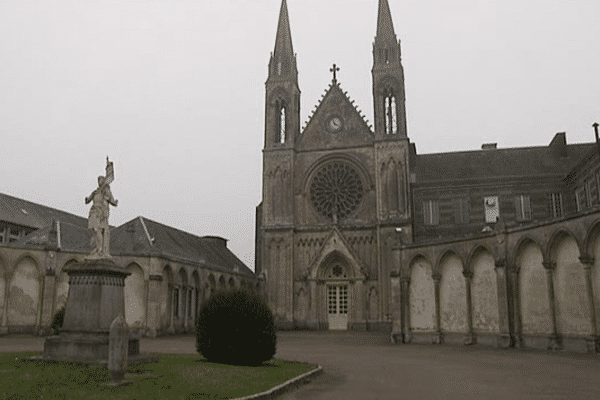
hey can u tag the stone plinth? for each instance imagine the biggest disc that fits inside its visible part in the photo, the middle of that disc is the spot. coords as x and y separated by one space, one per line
96 298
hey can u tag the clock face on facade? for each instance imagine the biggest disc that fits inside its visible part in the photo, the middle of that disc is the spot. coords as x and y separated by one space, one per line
334 124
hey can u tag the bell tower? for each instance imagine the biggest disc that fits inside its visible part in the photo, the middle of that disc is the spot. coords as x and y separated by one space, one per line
388 79
392 147
282 129
282 108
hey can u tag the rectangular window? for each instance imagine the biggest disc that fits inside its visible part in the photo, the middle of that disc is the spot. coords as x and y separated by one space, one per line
462 211
13 235
580 198
591 192
431 212
523 208
556 205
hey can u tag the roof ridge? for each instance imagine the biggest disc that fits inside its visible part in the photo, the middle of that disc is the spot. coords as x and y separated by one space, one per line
500 149
40 205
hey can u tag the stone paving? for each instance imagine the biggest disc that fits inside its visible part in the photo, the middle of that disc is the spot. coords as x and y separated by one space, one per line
363 365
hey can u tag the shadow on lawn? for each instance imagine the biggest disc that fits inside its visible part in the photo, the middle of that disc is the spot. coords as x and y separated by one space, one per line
267 364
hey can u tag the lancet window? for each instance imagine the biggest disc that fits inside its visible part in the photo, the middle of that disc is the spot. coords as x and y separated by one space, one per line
281 121
390 118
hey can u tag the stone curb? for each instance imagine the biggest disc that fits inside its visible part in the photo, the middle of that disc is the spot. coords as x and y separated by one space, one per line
285 386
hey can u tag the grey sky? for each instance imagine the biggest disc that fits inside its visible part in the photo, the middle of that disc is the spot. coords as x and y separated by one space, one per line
173 91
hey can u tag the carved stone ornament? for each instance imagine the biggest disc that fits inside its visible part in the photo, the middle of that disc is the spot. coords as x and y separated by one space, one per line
336 191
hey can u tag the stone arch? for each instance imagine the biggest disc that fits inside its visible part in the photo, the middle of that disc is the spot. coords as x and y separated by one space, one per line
222 284
475 252
446 253
330 267
522 243
484 291
416 257
166 296
386 83
135 297
393 190
212 284
593 249
421 295
24 293
557 237
231 283
2 288
61 285
198 294
180 293
374 304
535 312
573 313
301 312
279 93
336 248
591 237
453 293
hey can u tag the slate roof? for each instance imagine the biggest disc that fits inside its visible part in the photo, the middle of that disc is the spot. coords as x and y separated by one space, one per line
26 213
67 237
498 163
173 243
131 239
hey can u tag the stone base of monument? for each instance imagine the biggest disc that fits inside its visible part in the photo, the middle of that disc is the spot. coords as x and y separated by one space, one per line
96 298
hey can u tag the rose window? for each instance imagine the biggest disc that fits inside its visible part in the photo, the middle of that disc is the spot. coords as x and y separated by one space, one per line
336 190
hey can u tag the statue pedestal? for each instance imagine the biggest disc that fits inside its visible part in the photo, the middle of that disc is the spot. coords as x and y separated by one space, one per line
96 298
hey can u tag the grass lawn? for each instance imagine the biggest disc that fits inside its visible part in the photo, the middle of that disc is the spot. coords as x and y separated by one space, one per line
175 376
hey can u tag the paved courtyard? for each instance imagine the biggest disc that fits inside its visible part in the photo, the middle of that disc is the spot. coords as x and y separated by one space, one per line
364 366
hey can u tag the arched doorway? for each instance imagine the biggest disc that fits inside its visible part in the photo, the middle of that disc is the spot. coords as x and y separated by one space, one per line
336 276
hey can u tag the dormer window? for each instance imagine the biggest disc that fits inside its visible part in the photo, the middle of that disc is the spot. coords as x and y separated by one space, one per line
279 68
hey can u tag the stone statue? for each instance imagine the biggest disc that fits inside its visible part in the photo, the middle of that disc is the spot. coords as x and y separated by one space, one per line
98 219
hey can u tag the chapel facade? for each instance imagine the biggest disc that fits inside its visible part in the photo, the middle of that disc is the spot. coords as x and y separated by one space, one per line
357 231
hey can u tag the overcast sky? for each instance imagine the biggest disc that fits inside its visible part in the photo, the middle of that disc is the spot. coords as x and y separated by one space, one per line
173 92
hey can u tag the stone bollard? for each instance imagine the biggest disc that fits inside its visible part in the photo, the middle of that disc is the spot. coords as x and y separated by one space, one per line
118 343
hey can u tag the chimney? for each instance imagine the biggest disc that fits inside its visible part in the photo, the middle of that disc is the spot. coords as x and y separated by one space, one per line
217 240
489 146
558 145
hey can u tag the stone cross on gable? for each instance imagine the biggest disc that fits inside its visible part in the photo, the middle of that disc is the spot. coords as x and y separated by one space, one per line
334 69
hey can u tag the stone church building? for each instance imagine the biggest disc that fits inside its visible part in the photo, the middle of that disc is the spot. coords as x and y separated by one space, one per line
356 230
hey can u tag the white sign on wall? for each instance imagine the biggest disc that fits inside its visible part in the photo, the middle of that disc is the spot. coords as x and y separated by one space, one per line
491 208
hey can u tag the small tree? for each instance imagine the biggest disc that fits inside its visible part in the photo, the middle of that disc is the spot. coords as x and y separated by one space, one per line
236 327
57 320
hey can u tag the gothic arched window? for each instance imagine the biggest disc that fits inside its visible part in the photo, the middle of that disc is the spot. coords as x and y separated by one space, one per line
280 121
389 105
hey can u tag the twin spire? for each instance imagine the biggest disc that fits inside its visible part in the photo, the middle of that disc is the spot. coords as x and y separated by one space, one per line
385 26
283 60
283 41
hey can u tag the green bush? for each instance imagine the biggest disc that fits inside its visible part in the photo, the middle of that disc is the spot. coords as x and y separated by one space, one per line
57 321
236 327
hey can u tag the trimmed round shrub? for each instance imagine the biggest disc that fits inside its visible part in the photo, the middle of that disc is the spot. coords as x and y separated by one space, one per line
236 327
57 320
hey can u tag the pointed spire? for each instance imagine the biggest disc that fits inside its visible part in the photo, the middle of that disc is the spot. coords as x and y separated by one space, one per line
283 42
385 26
